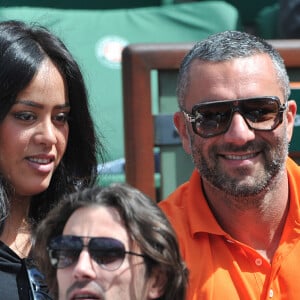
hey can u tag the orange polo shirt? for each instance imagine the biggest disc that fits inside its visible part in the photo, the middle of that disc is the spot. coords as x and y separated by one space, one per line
222 268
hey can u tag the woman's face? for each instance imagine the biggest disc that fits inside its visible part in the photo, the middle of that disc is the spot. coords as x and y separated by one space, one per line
34 133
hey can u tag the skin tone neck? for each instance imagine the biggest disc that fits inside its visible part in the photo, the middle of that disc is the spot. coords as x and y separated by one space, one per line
234 164
16 232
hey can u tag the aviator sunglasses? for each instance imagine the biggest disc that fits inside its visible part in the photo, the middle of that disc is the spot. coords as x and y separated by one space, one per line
209 119
108 253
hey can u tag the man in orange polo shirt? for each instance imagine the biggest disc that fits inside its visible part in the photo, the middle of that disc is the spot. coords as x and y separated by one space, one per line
238 218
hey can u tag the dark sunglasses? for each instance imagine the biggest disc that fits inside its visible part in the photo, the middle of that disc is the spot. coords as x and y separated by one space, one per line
108 253
209 119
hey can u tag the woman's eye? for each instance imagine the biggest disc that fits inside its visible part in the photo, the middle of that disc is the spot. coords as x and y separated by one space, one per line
62 117
25 116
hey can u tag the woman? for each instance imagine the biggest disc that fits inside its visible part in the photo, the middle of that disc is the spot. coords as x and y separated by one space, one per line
48 145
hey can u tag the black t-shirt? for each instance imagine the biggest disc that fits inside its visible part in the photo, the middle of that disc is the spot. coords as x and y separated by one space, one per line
14 280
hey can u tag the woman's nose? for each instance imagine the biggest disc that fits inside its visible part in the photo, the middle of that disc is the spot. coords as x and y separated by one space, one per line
46 133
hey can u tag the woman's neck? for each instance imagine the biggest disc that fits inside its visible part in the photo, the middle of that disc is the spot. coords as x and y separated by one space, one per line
16 232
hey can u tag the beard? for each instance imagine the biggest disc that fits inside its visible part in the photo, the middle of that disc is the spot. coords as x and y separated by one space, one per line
243 184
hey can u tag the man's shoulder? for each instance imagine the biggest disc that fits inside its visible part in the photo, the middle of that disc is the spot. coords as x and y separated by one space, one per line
176 198
174 207
182 195
293 168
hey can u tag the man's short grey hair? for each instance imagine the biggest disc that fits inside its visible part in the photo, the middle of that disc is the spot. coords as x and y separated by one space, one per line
226 46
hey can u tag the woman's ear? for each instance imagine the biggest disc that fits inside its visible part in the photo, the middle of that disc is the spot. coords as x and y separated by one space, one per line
181 126
157 283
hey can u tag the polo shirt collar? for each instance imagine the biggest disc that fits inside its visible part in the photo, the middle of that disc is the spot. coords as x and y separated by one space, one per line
201 218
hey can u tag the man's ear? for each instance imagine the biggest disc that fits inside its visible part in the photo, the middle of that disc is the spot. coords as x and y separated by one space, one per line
181 126
291 115
157 283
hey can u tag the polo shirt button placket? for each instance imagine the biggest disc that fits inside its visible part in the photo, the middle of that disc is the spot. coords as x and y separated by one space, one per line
271 293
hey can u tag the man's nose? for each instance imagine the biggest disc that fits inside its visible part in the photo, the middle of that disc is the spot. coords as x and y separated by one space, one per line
84 268
238 132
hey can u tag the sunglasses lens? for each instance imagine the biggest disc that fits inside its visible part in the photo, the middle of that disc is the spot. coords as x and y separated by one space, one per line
261 114
214 118
64 250
107 252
